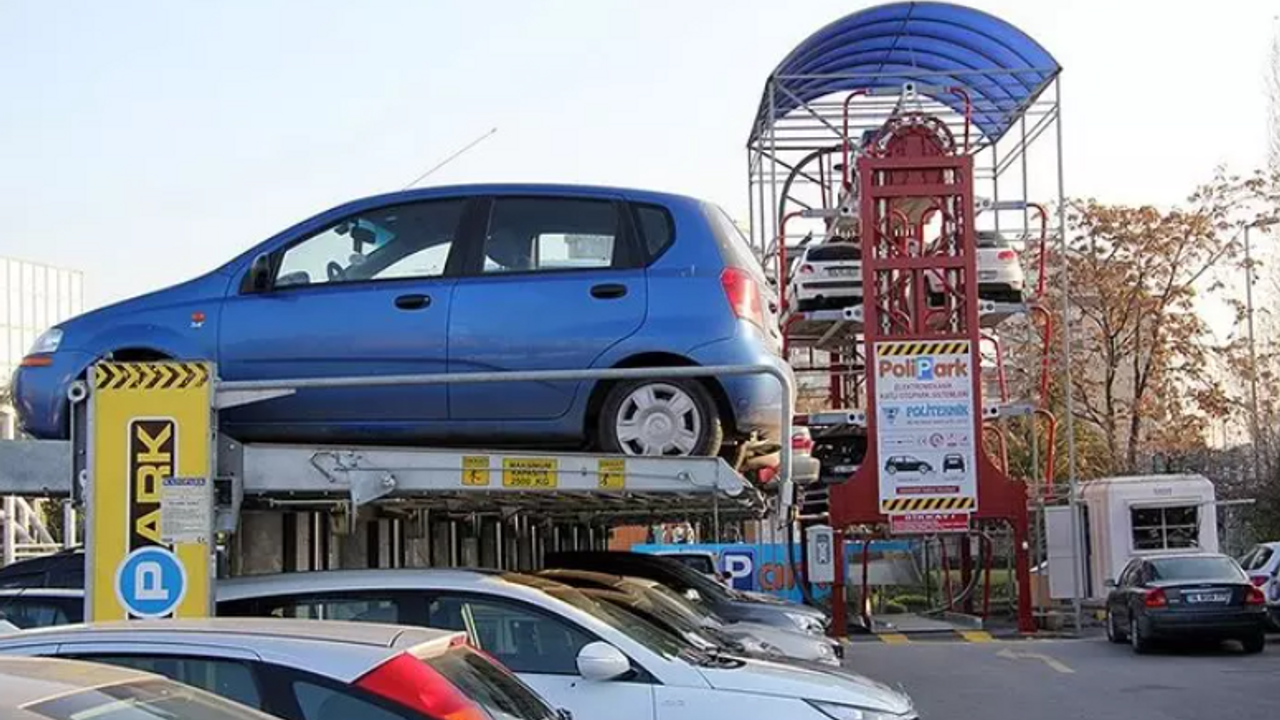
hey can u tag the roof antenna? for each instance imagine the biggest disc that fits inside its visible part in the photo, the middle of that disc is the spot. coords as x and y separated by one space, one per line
451 158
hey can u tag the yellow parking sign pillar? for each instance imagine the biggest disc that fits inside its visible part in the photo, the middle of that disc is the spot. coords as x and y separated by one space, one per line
150 491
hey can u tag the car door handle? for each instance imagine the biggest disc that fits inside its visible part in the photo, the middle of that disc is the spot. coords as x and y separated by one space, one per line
413 302
608 291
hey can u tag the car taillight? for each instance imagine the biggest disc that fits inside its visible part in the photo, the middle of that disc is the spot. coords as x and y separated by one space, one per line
806 269
743 294
800 443
408 681
1156 599
1258 580
1006 256
1254 596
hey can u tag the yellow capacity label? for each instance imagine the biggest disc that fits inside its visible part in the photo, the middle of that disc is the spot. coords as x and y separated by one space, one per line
475 470
613 474
534 473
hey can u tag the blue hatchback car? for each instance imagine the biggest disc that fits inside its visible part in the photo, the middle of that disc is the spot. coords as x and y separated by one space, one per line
463 279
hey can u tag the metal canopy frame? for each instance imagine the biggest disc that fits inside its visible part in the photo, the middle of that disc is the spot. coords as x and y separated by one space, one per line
802 187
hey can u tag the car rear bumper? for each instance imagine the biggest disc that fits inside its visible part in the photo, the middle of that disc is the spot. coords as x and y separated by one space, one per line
1208 623
40 395
755 400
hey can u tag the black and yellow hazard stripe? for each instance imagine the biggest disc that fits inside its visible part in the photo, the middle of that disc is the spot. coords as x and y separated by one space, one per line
904 349
150 376
903 505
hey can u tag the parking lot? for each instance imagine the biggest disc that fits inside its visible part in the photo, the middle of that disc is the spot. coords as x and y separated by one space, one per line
1068 679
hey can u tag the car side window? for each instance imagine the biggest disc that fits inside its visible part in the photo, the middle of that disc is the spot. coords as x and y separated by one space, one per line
388 243
543 234
656 226
230 679
1128 576
520 637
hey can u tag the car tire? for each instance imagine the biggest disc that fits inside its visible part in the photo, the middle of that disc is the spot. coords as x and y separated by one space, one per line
892 470
1255 643
1141 643
660 418
1113 633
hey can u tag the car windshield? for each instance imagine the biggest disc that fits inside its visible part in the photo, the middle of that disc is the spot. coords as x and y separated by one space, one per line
146 700
701 563
642 631
676 603
490 685
1196 568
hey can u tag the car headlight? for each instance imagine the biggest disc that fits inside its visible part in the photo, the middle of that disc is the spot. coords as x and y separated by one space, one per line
48 342
837 711
807 623
826 651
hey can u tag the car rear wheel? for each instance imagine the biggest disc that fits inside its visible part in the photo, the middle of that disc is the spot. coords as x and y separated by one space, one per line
1254 644
1141 643
660 418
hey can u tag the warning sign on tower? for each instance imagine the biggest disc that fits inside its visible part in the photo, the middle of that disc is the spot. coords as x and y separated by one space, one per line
925 426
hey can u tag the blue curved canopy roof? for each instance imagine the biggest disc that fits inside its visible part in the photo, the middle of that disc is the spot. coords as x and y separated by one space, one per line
931 43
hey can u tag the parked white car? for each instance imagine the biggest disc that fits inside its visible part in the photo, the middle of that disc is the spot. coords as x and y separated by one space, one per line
828 275
1262 563
1000 276
594 659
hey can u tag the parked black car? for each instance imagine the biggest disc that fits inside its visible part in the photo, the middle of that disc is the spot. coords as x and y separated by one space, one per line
1185 596
906 463
726 602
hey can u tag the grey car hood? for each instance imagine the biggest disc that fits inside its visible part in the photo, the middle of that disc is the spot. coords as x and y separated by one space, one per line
761 677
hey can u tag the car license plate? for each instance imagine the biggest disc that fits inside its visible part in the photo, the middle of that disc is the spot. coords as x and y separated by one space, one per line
1204 598
986 275
845 468
842 272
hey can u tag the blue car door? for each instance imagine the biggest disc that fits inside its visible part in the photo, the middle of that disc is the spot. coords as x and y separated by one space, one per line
554 282
368 295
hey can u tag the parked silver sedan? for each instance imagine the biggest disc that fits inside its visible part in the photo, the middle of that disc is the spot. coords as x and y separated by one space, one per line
44 689
304 670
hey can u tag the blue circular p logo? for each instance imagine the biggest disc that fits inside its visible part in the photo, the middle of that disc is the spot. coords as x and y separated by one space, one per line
151 582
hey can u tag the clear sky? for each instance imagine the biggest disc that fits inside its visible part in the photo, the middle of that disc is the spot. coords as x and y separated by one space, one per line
146 142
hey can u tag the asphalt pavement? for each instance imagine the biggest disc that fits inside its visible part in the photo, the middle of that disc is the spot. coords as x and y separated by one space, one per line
1088 679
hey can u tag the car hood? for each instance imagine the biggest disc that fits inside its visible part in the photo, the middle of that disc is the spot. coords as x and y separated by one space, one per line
761 677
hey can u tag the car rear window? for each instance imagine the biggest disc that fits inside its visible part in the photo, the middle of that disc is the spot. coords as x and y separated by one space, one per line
1258 559
989 239
833 251
490 685
1196 568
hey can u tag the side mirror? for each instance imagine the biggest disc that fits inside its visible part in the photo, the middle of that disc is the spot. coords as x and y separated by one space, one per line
260 274
601 661
1109 584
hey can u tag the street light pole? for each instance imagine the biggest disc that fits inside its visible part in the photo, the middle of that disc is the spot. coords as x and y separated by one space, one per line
1253 355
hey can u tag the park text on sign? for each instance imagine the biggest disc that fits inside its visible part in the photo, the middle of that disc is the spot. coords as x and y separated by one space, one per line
529 473
928 523
926 422
149 504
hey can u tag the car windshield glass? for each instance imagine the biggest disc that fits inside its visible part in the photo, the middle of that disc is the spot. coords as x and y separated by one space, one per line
674 603
653 638
1196 568
833 251
147 700
490 685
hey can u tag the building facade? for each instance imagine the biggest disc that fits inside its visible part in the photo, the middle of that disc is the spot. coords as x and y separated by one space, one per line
33 297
